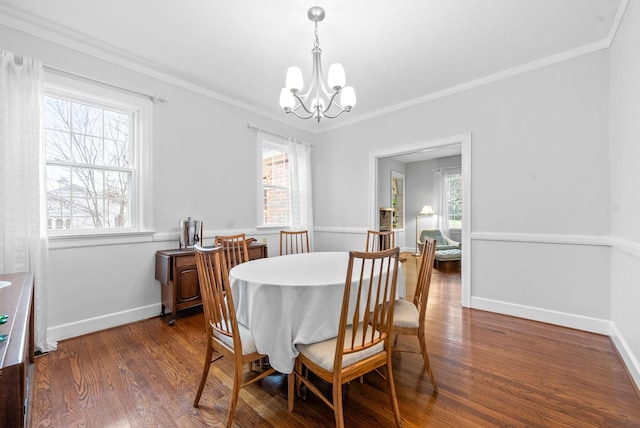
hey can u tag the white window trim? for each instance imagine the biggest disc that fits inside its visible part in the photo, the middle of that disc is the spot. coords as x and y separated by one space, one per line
142 180
278 144
452 171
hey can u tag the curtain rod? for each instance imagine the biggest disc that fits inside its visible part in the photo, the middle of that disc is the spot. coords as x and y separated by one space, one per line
447 167
154 98
275 134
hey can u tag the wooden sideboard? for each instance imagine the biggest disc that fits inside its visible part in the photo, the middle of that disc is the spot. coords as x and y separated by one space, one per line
178 275
17 351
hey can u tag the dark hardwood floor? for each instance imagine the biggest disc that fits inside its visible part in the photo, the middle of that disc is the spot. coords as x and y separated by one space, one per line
492 370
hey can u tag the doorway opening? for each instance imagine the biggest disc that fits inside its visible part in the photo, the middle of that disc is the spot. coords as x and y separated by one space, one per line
461 141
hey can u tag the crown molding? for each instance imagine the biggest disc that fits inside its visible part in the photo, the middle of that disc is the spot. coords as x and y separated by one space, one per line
617 20
28 24
102 51
504 74
629 247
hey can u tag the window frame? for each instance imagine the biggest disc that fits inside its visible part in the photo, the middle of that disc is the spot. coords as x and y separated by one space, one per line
140 111
276 144
447 173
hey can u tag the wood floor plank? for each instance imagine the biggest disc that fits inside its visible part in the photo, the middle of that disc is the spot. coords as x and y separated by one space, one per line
492 370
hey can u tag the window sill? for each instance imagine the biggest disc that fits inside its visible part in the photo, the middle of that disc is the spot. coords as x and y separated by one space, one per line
99 239
273 226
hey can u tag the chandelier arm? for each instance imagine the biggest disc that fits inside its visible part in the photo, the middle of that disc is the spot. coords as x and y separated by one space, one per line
318 74
295 113
302 105
342 110
331 103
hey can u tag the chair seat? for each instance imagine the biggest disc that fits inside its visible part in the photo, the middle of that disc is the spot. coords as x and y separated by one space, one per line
448 255
447 247
405 314
324 353
248 343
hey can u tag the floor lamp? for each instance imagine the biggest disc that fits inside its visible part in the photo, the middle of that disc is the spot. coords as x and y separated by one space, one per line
426 211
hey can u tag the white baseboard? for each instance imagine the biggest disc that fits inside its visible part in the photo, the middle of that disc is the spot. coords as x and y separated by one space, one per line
91 325
630 361
593 325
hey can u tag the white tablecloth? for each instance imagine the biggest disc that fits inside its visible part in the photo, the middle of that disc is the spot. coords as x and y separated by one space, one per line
291 300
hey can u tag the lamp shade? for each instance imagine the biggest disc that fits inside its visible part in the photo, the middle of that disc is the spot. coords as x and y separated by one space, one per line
348 97
286 99
294 80
427 210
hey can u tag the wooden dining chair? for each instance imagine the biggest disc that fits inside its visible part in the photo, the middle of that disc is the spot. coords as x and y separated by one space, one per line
235 249
224 334
294 242
410 317
363 343
380 240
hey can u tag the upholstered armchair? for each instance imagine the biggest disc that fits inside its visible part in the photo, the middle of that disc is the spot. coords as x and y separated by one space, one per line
448 252
442 242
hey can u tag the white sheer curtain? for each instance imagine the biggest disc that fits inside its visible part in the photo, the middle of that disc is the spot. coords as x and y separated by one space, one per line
440 199
23 209
301 187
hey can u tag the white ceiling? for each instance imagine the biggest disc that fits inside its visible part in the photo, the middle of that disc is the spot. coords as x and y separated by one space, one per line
394 53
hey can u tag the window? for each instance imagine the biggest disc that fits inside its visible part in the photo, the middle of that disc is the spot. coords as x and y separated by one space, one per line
97 159
275 184
454 199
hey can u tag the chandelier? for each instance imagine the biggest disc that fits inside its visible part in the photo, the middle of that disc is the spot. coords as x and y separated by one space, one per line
320 101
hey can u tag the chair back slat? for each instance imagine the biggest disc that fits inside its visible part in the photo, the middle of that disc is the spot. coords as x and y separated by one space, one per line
217 301
381 307
424 276
371 294
222 326
235 249
294 242
380 240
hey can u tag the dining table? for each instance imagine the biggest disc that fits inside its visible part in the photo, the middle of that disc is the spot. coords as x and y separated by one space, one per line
293 299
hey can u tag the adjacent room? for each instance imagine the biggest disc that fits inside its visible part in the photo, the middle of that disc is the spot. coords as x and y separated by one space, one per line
292 213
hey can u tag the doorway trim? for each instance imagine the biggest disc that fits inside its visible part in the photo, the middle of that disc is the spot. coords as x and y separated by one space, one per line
464 140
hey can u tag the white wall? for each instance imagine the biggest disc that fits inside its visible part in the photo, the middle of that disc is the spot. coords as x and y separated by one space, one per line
203 167
539 179
624 85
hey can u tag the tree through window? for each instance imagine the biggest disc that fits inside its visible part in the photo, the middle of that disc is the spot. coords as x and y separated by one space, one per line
89 165
454 200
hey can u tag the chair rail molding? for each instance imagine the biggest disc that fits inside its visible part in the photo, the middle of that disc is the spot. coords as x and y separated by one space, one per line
543 238
631 248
